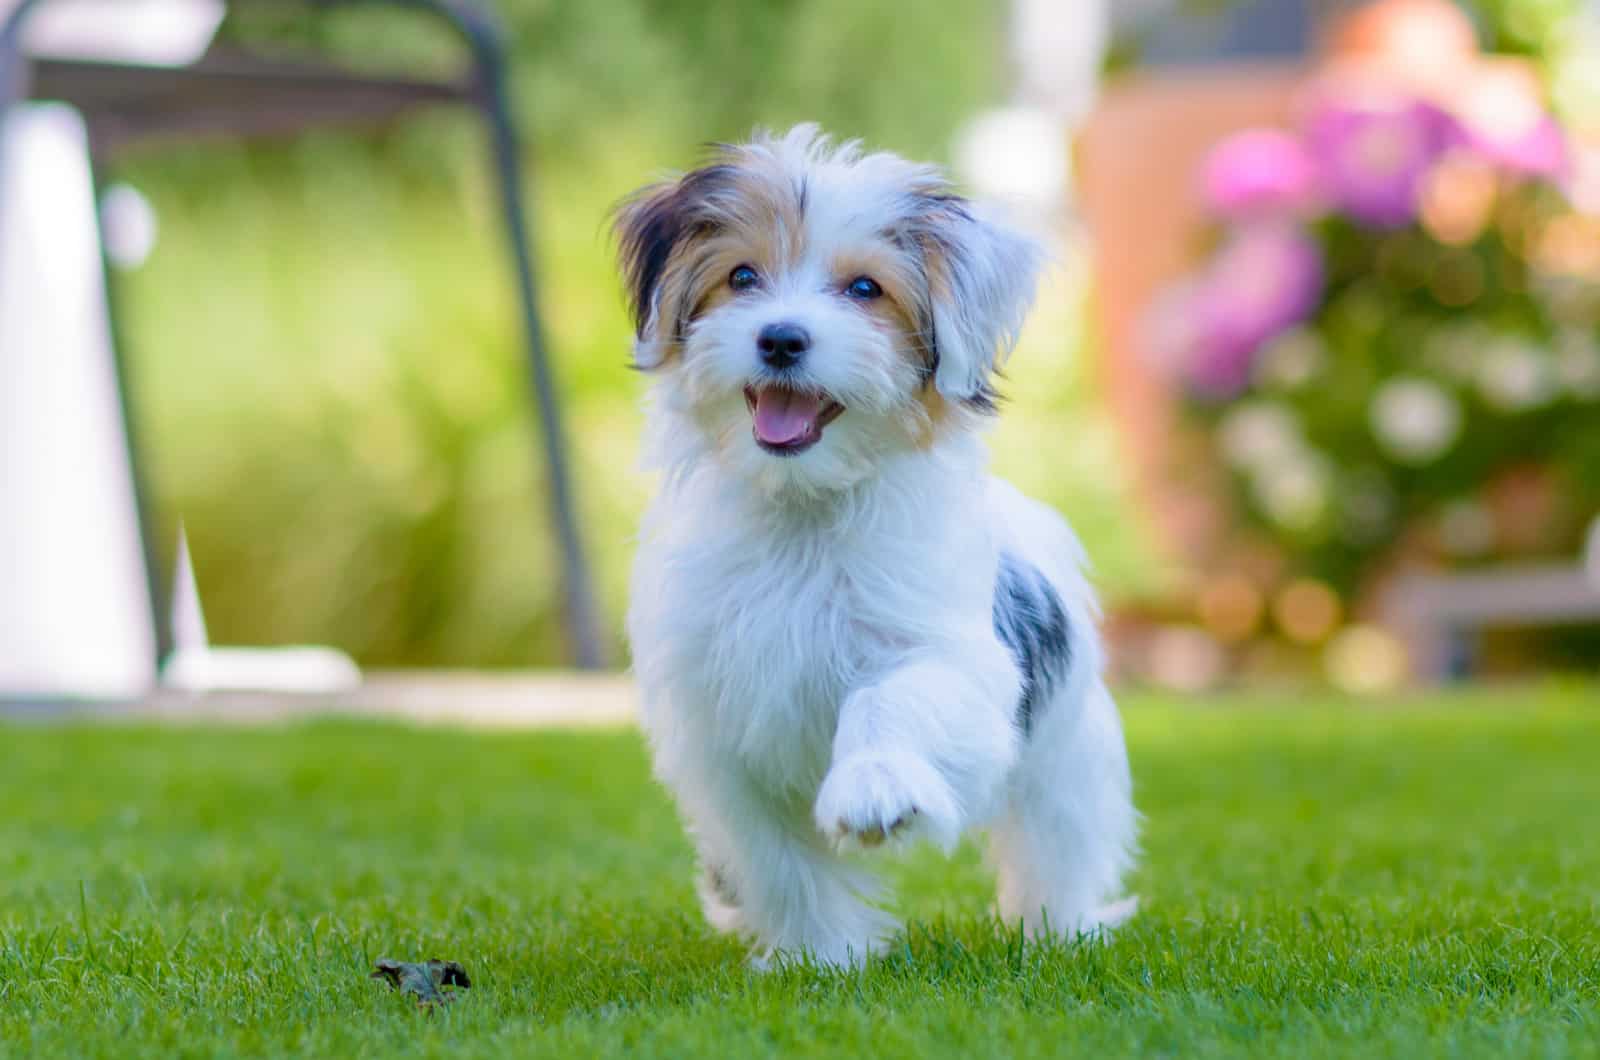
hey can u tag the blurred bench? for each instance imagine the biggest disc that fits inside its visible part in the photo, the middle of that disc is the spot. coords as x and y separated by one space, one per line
1440 615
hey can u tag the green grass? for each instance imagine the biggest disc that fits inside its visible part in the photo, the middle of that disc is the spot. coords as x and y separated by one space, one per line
1324 878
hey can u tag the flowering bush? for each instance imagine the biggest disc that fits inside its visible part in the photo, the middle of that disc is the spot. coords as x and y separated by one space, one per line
1393 342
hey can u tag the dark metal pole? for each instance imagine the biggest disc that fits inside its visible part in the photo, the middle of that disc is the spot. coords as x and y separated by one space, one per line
13 68
157 574
582 611
488 50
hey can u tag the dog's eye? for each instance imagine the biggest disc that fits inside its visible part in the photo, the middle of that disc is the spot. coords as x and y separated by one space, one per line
743 278
864 288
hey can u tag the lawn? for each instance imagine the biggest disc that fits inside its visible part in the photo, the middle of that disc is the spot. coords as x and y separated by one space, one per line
1418 878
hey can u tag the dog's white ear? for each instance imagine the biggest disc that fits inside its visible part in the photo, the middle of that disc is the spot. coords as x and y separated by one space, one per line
652 228
982 276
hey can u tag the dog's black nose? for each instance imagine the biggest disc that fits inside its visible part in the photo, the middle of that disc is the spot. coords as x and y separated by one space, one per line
782 344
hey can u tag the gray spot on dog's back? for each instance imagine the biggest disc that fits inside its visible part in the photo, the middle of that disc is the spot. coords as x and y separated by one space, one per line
1030 620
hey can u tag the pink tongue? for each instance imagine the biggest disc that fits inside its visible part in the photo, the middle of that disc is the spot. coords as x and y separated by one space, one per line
784 416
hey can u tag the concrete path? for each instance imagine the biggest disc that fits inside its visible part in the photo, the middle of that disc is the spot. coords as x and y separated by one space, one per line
474 699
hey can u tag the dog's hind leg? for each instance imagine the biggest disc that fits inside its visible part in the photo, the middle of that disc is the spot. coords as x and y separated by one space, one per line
719 896
1067 836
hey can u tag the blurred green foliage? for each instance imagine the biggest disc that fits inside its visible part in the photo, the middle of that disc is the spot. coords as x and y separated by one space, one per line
1530 27
327 362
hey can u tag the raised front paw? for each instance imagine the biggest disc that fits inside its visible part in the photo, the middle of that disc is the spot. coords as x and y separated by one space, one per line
868 798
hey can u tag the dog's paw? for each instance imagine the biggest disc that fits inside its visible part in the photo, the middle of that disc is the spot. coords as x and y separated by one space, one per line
869 798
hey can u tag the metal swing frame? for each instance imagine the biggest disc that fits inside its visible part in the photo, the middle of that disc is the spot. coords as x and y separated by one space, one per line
240 95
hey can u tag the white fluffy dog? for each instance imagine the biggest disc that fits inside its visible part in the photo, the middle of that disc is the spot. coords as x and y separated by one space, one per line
844 630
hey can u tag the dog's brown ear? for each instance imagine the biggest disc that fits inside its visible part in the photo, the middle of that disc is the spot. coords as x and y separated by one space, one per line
651 227
648 225
981 281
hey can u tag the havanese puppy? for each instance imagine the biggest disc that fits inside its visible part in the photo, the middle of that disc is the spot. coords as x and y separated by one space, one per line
844 630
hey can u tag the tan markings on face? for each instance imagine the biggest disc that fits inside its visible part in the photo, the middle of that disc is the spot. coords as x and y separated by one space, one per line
756 222
767 219
944 415
901 314
705 276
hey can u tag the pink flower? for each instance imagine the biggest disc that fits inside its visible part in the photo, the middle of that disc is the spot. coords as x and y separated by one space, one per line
1509 126
1265 280
1538 150
1257 172
1375 156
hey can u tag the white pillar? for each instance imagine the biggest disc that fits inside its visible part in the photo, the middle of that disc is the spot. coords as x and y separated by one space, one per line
75 614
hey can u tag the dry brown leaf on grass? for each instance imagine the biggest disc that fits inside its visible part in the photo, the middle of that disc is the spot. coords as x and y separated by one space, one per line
424 981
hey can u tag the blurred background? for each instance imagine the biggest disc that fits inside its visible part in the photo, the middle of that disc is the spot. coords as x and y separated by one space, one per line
1319 330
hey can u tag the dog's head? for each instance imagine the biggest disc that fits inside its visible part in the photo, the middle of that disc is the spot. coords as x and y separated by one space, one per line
814 309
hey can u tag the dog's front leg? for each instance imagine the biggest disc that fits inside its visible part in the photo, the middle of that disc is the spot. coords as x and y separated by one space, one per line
925 749
776 880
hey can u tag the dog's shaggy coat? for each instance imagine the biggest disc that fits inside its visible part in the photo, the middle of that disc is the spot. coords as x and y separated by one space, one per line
844 630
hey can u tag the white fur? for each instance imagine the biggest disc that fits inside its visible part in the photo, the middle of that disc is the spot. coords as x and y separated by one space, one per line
813 634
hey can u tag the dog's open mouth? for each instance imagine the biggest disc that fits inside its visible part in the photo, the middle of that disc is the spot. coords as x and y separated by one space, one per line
785 421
